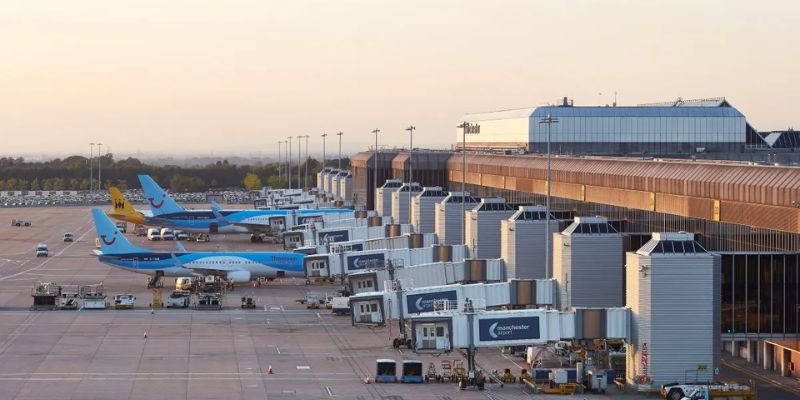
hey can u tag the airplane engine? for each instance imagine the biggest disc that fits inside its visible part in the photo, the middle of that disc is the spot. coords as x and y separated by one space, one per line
239 276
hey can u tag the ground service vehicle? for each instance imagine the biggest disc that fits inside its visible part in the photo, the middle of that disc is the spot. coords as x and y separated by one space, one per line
153 234
122 226
183 283
179 299
68 237
123 301
181 235
41 250
715 391
140 230
167 234
340 305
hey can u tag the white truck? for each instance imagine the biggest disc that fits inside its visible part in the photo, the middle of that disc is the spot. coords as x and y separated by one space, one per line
713 391
340 305
41 250
179 299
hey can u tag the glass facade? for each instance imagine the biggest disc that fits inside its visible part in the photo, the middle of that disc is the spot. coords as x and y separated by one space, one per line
760 275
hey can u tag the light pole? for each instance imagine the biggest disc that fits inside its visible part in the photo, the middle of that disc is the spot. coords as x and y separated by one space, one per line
410 130
375 154
100 166
280 173
289 164
299 145
286 159
340 148
549 120
305 178
464 127
91 174
323 136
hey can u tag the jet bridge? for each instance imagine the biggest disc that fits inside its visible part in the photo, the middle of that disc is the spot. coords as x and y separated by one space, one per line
468 324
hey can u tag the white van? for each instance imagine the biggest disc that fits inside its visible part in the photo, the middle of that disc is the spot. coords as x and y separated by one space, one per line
41 250
153 234
166 234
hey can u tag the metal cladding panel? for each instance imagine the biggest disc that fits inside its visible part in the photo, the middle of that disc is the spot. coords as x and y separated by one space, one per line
450 219
523 246
566 325
344 223
424 213
383 196
618 323
589 270
460 334
511 328
667 291
460 252
482 232
554 326
400 207
546 291
423 275
423 255
346 188
497 294
495 270
335 186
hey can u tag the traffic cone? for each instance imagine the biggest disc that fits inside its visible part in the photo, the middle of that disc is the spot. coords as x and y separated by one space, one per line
269 371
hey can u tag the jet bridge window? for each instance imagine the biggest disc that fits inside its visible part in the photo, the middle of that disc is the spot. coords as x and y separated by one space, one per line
317 265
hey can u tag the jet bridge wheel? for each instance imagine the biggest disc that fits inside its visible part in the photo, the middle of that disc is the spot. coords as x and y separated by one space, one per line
675 394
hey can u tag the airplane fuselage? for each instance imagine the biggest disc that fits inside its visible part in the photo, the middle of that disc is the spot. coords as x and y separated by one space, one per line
257 264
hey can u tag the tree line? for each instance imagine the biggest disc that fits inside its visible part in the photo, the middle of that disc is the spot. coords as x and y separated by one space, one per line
72 173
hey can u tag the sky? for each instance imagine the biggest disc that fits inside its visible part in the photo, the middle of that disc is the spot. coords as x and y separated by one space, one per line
154 77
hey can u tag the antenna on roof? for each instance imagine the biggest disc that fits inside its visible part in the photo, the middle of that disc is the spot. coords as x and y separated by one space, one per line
615 98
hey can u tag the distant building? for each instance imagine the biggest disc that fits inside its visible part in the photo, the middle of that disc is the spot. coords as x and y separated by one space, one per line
678 127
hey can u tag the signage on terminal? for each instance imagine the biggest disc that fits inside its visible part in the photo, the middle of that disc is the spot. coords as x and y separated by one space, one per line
502 329
365 261
309 219
418 303
472 129
334 236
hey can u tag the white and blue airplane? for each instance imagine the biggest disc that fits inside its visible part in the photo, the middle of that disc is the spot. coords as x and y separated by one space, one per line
235 266
165 211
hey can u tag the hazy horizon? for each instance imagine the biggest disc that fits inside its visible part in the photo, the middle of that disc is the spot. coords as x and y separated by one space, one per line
187 78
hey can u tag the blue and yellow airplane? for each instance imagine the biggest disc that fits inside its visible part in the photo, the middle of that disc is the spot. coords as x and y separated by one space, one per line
235 266
164 211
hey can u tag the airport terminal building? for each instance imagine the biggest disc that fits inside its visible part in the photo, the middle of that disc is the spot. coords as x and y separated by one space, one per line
677 127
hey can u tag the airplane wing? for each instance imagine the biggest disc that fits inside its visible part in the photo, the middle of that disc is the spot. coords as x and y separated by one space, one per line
250 226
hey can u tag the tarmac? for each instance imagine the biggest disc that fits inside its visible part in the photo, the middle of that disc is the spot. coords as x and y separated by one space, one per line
280 350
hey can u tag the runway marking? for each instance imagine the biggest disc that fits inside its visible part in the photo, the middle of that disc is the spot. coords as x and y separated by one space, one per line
278 349
303 367
330 392
512 361
45 261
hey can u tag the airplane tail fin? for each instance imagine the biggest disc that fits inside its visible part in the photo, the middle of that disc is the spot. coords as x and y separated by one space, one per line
160 202
121 205
112 241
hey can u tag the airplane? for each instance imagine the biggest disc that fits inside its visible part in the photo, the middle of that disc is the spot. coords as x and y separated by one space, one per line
256 222
235 266
124 210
